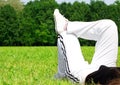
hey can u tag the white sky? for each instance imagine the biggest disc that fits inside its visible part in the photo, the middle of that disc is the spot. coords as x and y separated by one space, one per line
87 1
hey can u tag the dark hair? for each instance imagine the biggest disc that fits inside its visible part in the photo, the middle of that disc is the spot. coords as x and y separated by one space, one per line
114 82
104 76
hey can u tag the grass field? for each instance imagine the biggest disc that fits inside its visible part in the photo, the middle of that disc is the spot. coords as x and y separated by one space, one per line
33 65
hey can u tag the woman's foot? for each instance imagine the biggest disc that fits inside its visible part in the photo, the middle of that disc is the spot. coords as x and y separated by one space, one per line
60 22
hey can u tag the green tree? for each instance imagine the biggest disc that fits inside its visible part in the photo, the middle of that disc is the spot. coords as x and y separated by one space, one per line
34 24
40 24
17 4
66 9
98 10
8 25
81 11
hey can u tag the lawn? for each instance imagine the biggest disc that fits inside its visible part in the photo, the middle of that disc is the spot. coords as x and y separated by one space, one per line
33 65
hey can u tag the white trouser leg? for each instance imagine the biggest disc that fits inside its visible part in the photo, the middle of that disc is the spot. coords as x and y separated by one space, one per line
102 31
70 52
61 60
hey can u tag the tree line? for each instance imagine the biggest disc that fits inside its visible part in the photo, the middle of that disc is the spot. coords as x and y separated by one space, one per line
33 24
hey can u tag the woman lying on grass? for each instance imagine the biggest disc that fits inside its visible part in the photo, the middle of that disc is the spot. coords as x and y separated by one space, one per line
71 63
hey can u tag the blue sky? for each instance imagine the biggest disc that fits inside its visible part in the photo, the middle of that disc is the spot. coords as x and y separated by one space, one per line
87 1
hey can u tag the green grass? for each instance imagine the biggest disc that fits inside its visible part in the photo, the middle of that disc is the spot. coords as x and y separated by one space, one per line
33 65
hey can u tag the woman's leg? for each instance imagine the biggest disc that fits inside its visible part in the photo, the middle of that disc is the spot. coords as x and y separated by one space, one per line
70 59
61 58
104 32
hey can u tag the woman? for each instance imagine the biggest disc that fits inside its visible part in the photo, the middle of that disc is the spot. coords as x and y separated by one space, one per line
71 63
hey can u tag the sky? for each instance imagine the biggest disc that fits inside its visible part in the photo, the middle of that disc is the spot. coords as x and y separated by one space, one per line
87 1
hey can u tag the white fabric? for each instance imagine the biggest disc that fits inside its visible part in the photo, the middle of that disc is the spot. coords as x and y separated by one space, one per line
104 32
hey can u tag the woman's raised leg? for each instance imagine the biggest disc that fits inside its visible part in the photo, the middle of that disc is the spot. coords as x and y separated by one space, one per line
104 32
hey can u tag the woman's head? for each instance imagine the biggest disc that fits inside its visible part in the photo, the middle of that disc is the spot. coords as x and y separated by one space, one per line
104 76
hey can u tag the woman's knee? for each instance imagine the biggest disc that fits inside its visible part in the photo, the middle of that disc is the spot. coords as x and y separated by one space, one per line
110 23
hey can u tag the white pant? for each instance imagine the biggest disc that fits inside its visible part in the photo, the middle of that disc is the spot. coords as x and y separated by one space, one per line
71 62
